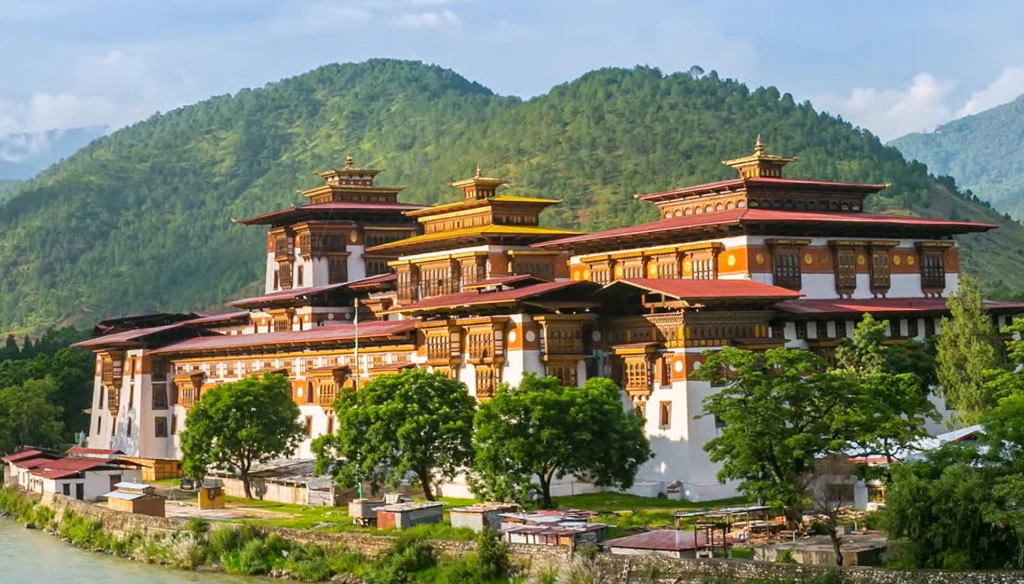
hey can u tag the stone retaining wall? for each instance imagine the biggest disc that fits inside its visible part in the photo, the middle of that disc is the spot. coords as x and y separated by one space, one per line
623 569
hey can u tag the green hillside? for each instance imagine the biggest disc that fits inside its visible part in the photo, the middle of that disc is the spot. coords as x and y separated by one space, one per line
983 152
141 219
7 188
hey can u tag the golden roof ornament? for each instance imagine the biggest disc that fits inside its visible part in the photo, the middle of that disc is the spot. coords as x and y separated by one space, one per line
348 160
477 174
760 164
758 146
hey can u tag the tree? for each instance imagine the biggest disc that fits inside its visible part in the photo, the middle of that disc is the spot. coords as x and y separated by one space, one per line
413 422
236 425
29 416
541 431
782 411
967 354
865 353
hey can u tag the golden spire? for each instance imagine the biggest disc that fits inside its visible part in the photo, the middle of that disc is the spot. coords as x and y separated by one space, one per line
477 175
758 147
348 160
760 163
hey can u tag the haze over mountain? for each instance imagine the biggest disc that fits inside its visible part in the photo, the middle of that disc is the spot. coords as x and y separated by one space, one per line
141 219
23 155
983 152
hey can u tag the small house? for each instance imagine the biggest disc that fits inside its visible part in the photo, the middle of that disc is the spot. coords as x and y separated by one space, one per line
673 543
85 479
859 549
137 499
481 517
406 515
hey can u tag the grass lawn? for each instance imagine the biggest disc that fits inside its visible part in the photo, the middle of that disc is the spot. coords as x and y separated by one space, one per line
623 513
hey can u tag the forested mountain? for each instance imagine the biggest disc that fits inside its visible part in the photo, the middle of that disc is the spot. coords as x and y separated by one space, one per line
141 219
7 188
23 155
982 151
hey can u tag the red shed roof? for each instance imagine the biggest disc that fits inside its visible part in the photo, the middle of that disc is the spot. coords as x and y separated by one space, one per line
23 455
708 289
137 335
668 540
318 335
82 451
287 295
480 297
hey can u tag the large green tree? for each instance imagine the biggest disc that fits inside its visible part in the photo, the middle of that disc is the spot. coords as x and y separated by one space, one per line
236 425
412 422
784 410
967 354
29 415
529 435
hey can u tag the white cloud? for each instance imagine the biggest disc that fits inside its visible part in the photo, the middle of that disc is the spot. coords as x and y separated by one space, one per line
427 19
890 113
1006 88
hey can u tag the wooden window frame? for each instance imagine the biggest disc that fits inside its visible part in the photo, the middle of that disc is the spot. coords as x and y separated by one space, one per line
787 271
846 271
881 276
160 427
664 415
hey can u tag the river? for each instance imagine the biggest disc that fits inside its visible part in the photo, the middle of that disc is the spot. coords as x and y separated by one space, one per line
32 557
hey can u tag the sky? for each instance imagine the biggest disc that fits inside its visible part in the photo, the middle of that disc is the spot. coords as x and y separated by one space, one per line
892 67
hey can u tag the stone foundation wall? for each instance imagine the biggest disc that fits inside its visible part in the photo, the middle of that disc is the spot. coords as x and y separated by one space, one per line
537 559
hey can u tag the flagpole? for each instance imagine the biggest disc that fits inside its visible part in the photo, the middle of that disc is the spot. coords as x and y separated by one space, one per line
355 381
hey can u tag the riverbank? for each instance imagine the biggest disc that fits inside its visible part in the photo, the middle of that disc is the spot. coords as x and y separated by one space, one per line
378 559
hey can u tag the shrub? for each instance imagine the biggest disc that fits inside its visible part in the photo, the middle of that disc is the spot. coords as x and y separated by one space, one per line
408 556
257 556
309 563
492 556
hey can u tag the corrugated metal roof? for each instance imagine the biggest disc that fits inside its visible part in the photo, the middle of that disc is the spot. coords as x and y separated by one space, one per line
132 486
409 506
124 496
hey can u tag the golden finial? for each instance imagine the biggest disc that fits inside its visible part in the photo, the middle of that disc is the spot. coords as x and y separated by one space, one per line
348 160
477 175
758 147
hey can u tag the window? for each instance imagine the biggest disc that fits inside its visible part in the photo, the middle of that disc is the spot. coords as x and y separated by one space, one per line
160 426
933 271
704 269
301 276
309 425
840 329
99 424
929 327
66 489
839 493
912 327
801 329
159 397
174 424
786 268
277 280
880 272
102 401
131 397
846 271
330 424
128 430
719 423
337 270
665 415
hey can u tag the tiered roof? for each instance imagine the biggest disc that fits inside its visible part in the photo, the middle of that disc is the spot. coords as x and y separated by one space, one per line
761 201
380 330
546 295
482 217
348 193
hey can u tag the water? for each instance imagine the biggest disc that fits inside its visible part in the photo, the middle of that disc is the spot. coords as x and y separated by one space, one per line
32 557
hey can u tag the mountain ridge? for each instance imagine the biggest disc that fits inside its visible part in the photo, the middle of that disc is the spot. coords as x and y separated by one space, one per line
141 219
982 151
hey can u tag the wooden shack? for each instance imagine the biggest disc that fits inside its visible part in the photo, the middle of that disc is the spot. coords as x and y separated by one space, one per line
136 498
211 494
405 515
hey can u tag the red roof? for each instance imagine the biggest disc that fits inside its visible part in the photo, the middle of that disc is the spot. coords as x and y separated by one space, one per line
64 467
23 455
136 335
737 183
287 294
219 317
328 209
503 281
373 281
708 289
478 297
668 540
322 334
813 307
82 451
747 215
